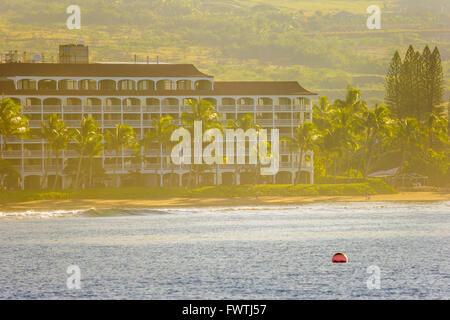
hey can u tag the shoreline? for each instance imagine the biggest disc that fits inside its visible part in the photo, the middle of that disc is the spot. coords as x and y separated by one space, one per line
77 204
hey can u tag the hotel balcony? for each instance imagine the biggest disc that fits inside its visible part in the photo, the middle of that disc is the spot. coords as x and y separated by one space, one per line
132 123
32 153
227 108
170 108
32 169
136 109
246 108
110 123
116 108
93 109
32 109
12 154
34 124
52 109
151 109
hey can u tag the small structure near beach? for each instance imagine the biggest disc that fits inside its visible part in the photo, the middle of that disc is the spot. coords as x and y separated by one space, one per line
339 258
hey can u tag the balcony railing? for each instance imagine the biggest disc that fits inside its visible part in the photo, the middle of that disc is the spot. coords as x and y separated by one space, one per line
112 108
264 122
185 109
71 154
132 123
151 109
72 108
32 168
227 108
32 153
14 140
110 123
152 152
264 108
147 123
73 123
12 154
245 108
48 109
151 166
26 109
283 107
92 108
283 122
170 108
34 124
132 108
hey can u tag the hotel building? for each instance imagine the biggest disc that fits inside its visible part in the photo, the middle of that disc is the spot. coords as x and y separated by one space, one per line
135 94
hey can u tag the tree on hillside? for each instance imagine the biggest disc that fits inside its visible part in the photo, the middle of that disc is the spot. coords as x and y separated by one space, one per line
414 87
392 86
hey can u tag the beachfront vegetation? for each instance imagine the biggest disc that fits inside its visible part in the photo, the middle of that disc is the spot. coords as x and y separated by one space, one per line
362 188
408 133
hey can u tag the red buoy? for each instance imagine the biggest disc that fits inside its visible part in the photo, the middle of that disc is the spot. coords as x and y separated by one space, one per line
339 258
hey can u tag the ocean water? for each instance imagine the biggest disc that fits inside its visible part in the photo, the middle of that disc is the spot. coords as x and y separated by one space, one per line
281 252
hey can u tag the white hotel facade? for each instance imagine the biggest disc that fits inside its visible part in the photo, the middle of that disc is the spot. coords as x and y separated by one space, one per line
135 94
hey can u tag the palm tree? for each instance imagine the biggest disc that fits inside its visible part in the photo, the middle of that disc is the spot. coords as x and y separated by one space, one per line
245 123
159 135
347 116
376 125
120 137
304 139
88 129
58 136
330 144
12 122
94 147
204 111
408 135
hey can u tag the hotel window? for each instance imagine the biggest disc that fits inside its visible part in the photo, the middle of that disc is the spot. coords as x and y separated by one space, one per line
47 84
127 85
184 85
26 84
107 85
165 85
67 85
203 85
87 85
146 85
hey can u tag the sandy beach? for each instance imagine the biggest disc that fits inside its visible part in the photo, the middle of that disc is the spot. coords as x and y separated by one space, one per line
40 205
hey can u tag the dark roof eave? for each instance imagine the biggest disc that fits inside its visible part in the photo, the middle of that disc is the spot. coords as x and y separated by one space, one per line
100 70
148 93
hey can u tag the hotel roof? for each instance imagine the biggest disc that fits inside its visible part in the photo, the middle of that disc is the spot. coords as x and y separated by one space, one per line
99 70
221 88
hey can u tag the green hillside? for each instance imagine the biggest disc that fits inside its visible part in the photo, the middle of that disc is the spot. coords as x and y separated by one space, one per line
324 44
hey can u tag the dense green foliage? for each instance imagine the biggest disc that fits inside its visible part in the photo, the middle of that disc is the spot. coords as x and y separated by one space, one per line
371 186
356 141
415 86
